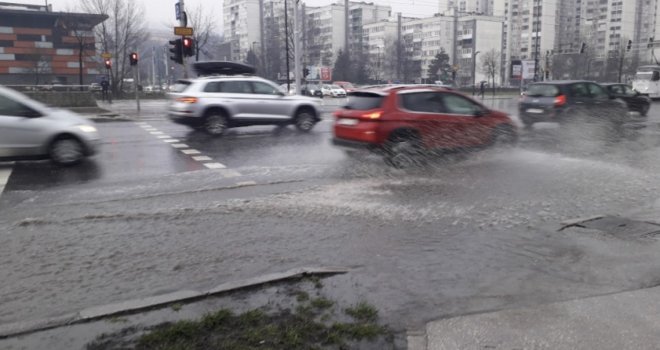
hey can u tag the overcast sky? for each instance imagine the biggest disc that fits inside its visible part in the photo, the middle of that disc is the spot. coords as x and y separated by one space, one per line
162 11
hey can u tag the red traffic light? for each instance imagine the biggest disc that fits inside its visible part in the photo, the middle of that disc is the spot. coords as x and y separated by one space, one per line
133 58
108 64
188 44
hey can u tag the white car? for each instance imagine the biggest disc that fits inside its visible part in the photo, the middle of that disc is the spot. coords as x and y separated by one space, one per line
31 130
333 91
292 89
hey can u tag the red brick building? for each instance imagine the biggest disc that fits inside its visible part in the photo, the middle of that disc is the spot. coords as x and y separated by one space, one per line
38 46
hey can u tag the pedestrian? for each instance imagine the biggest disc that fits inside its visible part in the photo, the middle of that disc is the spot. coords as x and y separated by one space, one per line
482 89
105 87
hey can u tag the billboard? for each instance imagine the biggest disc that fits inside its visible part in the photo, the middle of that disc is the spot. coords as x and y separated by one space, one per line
528 69
516 69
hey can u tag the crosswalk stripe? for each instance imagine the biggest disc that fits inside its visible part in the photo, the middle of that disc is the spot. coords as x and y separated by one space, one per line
4 177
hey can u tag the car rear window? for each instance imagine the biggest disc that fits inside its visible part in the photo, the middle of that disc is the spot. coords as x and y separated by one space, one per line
542 90
364 101
180 86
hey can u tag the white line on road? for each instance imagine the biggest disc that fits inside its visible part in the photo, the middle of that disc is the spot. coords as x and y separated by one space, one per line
4 177
179 145
202 158
171 141
163 136
157 133
190 151
229 173
215 165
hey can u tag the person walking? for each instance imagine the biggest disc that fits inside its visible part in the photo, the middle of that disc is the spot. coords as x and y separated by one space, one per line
105 89
482 89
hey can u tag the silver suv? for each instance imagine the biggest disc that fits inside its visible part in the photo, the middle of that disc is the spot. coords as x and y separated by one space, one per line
216 103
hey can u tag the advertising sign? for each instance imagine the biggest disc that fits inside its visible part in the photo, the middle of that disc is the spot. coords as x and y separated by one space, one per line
326 73
528 69
516 70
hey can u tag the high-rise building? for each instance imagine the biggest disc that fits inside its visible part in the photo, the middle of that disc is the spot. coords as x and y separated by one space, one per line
478 37
530 30
242 27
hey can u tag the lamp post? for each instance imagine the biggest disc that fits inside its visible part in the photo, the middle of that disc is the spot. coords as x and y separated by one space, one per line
474 72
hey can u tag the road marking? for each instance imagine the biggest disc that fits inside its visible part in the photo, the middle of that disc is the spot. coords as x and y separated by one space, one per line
246 183
229 173
185 149
4 177
215 165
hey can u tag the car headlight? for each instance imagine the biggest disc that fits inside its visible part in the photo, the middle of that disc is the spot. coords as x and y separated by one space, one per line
87 128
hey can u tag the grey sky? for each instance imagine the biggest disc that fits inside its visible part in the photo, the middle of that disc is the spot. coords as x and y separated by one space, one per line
162 11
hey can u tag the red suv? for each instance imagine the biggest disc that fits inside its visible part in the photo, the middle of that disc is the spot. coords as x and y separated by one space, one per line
403 122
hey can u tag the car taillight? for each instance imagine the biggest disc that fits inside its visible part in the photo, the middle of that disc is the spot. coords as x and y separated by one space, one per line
373 115
560 100
188 100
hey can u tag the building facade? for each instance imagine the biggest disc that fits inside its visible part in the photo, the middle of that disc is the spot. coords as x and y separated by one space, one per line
242 26
478 37
39 46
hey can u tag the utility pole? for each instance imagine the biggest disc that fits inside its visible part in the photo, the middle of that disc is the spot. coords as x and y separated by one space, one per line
296 48
399 46
153 67
286 37
474 72
535 31
347 28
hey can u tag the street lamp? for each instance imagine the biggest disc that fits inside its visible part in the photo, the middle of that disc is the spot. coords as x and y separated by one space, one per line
474 72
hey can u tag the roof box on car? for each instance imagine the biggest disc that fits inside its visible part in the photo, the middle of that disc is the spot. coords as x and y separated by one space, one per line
222 68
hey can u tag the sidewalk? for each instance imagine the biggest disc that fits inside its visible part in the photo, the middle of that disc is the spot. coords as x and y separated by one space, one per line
621 321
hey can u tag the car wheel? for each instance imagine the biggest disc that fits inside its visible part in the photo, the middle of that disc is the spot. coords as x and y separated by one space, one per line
215 123
403 152
644 111
67 151
504 135
305 120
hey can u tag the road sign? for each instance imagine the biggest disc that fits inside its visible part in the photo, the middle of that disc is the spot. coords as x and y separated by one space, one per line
106 55
177 10
183 31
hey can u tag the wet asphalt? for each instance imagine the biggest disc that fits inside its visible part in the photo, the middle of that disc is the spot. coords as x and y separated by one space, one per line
467 233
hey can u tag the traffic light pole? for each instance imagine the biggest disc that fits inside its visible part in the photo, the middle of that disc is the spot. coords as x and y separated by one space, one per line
183 21
296 48
136 81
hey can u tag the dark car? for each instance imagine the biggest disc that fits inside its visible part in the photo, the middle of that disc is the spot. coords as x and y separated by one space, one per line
312 90
636 101
565 101
403 122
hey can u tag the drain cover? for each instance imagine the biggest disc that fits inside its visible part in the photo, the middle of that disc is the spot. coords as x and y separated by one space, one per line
616 226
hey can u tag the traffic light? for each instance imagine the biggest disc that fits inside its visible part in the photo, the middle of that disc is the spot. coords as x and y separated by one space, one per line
305 72
583 47
108 63
176 48
188 47
133 58
650 45
629 47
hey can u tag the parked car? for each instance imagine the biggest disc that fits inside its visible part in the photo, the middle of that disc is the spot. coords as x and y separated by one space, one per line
636 101
291 89
216 103
333 91
565 101
31 130
313 90
405 122
95 87
348 87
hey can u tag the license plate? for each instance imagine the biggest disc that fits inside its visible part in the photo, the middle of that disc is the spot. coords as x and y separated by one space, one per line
345 121
535 111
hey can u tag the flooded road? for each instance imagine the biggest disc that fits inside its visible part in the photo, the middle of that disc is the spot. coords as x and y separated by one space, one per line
466 233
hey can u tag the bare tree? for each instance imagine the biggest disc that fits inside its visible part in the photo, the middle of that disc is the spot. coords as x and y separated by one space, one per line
119 35
202 20
490 65
81 29
40 64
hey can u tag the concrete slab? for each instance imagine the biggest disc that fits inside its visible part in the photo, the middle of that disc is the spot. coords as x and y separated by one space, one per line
621 321
136 305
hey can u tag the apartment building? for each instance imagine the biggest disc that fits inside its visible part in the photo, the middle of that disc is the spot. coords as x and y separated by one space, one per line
39 46
376 37
242 26
530 31
481 7
477 36
425 37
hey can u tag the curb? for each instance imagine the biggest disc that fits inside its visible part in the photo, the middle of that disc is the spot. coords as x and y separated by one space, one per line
137 305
